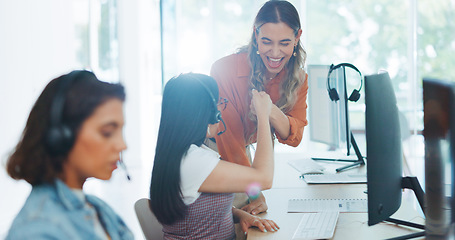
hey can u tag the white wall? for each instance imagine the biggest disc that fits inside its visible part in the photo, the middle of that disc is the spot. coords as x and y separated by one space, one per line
35 46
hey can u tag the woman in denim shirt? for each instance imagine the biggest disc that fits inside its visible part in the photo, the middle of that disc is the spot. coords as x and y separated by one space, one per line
74 132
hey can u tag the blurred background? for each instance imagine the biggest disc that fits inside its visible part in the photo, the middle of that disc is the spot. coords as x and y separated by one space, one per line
143 43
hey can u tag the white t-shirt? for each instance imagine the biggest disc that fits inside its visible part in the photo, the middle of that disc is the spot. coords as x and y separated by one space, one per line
196 166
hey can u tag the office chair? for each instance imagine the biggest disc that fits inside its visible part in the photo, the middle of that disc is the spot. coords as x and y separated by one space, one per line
150 226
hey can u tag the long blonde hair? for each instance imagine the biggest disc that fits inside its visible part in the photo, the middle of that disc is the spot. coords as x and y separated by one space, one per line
275 12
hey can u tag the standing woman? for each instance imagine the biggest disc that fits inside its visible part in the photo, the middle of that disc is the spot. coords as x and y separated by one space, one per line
272 62
74 132
191 190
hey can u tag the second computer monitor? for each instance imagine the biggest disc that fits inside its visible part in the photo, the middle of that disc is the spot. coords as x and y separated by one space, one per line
439 133
328 120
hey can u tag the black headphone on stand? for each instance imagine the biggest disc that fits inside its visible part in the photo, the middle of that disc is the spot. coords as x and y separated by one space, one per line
333 94
59 136
216 118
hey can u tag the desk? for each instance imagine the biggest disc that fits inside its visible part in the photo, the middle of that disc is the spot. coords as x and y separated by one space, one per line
287 184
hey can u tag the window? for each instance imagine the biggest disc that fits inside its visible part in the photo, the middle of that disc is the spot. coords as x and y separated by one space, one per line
96 40
410 39
196 33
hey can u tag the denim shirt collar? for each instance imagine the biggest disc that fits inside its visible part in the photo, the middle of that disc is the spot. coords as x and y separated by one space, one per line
114 225
69 199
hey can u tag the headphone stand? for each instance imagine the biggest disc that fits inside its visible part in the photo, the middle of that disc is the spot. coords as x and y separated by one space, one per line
355 95
355 162
360 160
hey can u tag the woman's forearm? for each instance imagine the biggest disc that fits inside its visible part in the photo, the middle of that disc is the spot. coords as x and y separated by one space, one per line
280 122
263 158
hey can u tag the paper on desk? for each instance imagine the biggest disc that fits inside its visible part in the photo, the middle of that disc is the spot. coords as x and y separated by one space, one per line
334 178
318 205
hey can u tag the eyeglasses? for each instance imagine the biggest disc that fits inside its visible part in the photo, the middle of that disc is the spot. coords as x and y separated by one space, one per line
222 102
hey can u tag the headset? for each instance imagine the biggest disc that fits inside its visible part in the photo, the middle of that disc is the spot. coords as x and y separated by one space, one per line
216 118
333 94
59 136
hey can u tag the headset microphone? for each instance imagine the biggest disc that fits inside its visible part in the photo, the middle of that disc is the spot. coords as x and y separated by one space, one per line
123 166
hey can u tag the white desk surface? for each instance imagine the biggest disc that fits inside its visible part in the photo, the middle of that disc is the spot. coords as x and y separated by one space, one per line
287 177
287 184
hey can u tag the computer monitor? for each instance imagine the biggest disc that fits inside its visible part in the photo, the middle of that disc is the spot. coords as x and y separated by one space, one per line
439 135
329 120
385 180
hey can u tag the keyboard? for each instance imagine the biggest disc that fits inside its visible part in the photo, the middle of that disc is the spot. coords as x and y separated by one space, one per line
319 225
306 165
335 178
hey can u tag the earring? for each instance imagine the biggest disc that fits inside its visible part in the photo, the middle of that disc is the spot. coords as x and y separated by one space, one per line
208 131
295 54
257 52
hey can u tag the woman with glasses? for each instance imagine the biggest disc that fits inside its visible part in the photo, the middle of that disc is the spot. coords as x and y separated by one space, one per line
272 62
74 132
191 190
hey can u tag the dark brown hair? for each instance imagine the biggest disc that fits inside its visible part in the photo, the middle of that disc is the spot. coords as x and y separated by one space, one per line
31 159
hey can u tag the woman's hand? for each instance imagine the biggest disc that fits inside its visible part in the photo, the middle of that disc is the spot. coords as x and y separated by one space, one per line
247 220
278 120
261 104
256 206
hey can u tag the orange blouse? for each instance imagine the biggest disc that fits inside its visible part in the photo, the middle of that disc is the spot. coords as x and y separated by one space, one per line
232 75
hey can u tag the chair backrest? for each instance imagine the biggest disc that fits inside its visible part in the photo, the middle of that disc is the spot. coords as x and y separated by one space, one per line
151 228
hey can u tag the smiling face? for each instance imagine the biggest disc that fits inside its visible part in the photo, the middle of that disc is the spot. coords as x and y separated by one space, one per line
97 147
276 42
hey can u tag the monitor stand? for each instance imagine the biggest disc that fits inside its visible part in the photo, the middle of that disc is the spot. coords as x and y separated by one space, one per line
355 163
413 184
